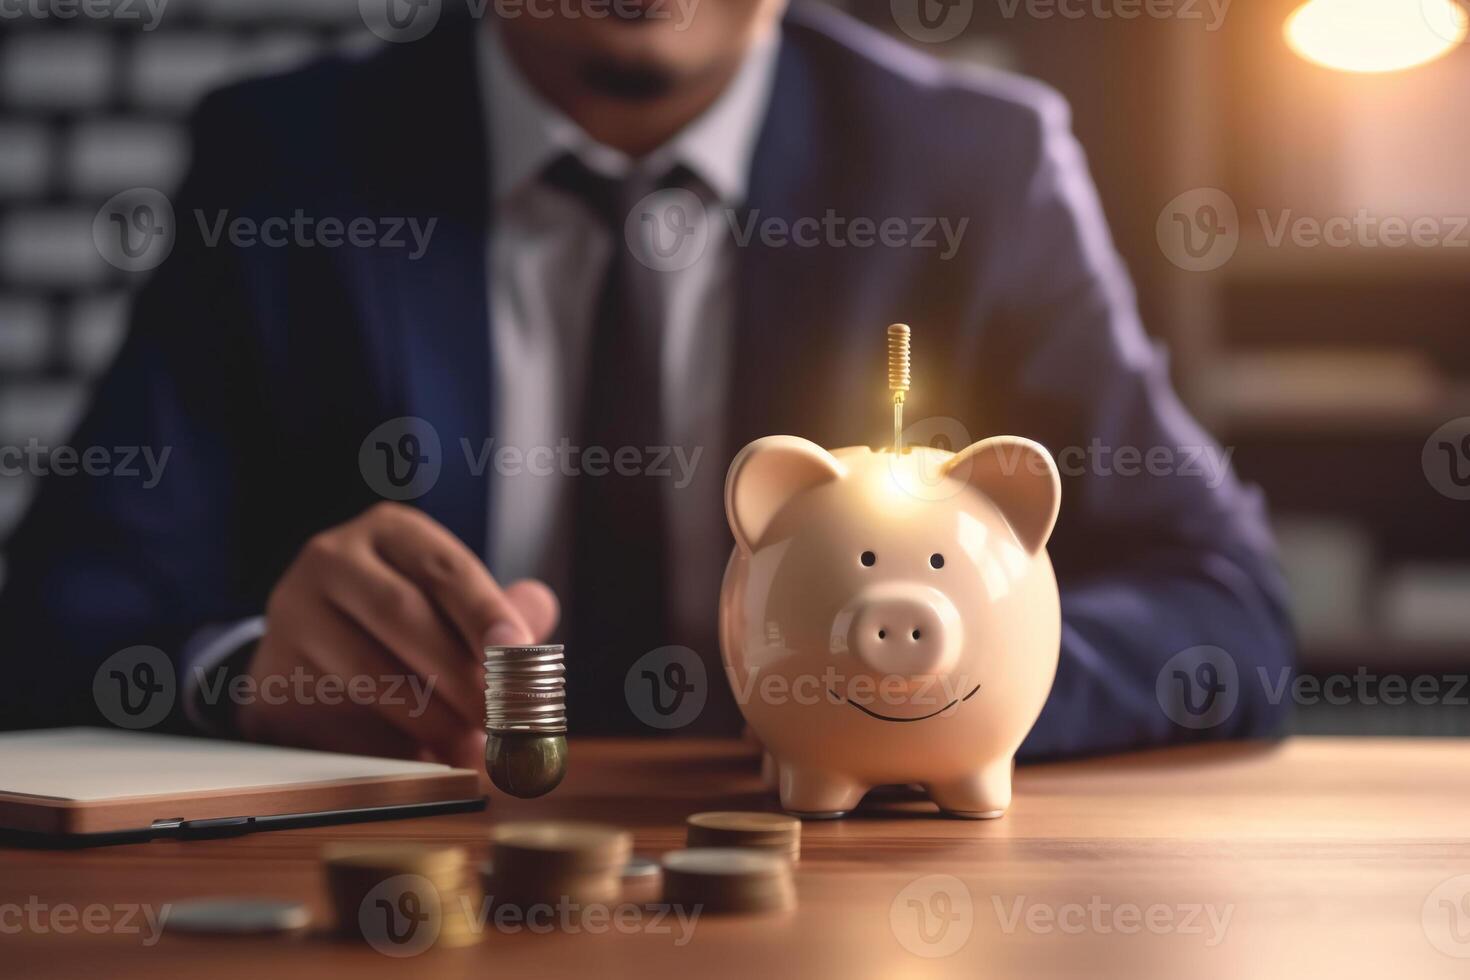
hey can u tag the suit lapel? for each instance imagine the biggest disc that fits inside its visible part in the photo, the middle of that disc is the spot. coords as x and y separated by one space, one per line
797 369
430 324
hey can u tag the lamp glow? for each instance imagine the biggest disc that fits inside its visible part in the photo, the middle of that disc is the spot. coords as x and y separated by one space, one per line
1376 35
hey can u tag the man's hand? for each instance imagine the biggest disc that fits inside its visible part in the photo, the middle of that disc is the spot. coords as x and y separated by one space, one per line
396 601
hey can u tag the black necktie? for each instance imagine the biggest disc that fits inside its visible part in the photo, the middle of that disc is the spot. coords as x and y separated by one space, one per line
617 607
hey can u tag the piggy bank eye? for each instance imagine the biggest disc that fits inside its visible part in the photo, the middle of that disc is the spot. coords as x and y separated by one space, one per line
868 558
936 560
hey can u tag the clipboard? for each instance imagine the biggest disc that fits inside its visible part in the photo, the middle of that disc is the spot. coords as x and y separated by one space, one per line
79 786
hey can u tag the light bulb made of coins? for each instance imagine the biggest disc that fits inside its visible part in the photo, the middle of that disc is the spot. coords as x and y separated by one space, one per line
525 718
525 764
898 376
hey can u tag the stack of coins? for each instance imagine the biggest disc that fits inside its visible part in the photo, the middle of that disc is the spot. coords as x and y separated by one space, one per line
396 893
551 863
727 879
526 718
775 833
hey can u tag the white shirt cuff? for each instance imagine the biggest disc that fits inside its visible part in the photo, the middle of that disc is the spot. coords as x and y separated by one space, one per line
206 650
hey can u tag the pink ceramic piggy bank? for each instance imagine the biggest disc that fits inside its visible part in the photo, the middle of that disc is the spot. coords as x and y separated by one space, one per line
891 617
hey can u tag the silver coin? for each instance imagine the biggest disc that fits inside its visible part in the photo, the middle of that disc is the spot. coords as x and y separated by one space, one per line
510 649
724 861
640 868
236 916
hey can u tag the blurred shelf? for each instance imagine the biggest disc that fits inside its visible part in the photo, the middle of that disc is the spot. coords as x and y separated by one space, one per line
1383 654
1258 259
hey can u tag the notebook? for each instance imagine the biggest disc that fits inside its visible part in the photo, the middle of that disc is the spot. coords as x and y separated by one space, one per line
94 782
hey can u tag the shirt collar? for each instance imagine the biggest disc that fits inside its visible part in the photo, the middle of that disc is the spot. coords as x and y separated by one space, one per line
527 132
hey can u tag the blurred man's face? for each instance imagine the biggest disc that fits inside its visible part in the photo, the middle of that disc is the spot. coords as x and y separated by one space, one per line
642 49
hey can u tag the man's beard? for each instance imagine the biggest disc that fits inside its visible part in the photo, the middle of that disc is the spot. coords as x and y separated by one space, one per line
629 82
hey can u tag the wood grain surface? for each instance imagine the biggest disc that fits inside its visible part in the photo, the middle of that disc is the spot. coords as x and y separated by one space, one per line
1311 858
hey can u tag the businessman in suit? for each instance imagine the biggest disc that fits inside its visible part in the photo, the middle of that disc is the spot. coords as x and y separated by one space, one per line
841 181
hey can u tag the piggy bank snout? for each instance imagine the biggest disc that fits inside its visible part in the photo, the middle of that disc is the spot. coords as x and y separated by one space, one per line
905 630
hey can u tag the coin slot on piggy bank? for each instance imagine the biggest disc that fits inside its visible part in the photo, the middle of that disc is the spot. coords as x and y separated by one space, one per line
891 615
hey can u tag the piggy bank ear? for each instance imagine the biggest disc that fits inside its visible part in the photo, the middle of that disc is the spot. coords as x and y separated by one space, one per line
766 475
1020 478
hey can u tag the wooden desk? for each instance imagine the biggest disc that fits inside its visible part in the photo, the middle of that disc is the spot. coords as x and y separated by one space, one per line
1324 854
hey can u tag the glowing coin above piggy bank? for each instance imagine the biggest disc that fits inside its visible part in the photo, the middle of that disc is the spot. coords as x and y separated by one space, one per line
891 616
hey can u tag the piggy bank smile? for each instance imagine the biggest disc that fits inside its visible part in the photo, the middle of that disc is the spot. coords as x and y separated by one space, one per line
885 587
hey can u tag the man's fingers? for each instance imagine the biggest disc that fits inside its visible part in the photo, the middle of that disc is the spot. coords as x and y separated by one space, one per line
366 675
390 608
537 605
450 574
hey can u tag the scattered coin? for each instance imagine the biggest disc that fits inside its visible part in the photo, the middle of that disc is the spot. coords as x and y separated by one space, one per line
236 916
728 880
640 868
774 832
432 884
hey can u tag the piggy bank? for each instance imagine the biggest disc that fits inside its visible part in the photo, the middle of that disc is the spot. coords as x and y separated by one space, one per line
891 616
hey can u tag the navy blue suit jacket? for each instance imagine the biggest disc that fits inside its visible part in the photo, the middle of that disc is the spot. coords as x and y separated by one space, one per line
263 368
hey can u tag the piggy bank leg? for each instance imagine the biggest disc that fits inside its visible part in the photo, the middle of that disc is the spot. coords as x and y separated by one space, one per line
816 793
770 771
980 795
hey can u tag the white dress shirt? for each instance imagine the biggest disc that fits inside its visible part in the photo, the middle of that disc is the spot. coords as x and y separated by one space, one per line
547 258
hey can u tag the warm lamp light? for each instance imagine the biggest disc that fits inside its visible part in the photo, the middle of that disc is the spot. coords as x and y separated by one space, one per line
1376 35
